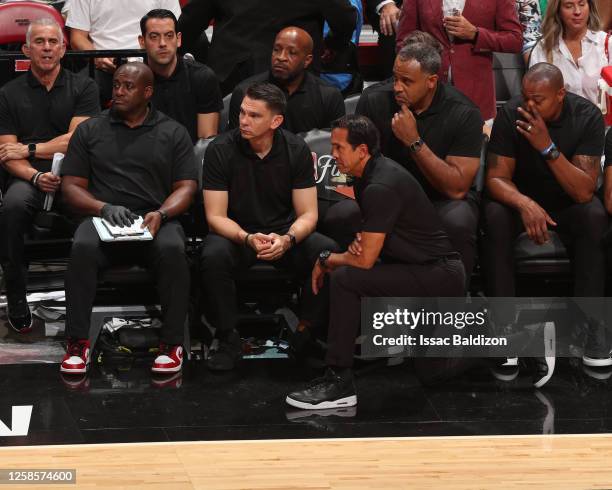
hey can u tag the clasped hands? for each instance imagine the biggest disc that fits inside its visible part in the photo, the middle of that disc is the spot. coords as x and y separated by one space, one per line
268 247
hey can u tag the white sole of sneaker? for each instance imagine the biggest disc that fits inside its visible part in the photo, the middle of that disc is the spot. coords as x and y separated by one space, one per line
596 362
599 375
507 376
166 370
549 353
349 401
74 371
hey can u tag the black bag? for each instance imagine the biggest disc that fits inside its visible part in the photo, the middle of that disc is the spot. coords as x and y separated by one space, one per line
128 342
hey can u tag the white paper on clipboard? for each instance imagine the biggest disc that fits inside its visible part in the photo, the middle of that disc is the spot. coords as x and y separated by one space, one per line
56 168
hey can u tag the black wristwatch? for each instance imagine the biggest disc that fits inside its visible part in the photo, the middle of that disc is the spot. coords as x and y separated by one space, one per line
416 146
323 256
163 214
551 153
292 239
31 151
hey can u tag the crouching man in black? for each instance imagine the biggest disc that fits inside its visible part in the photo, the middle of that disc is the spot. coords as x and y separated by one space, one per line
132 160
260 201
402 250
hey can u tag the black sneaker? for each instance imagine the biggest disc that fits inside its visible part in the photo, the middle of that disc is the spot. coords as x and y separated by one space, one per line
227 354
596 349
330 391
19 315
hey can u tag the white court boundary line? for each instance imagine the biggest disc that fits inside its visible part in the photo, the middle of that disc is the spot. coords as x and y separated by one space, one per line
312 440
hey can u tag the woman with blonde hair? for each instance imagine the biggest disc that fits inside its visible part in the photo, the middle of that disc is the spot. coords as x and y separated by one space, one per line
572 40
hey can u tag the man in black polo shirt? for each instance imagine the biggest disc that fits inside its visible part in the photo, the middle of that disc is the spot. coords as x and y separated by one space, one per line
132 160
244 31
542 171
261 204
435 132
400 227
186 91
311 102
38 113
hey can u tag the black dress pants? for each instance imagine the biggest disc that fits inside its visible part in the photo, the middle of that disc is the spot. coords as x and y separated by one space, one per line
460 220
222 259
20 204
347 285
164 255
581 228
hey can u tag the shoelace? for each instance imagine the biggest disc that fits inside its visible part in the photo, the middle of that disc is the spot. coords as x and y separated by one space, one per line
327 378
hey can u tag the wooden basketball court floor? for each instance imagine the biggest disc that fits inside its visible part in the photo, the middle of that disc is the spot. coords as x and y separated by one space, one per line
466 462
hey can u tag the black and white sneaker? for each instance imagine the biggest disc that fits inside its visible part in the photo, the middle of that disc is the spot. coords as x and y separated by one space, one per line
333 390
505 369
597 350
19 316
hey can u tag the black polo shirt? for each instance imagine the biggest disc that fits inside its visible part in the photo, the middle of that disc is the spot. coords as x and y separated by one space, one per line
259 189
393 202
35 115
314 105
452 125
578 131
131 167
192 89
608 149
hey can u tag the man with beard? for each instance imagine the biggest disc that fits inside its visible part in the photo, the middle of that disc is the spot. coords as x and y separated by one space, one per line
132 160
187 91
311 102
244 31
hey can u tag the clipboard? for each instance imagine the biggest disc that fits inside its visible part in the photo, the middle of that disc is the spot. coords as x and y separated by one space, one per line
104 232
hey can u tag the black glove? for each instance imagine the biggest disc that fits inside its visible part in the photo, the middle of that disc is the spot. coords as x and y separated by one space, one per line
118 215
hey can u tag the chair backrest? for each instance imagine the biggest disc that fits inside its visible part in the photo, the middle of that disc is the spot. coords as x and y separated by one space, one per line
508 70
200 227
350 103
480 176
15 17
224 116
319 142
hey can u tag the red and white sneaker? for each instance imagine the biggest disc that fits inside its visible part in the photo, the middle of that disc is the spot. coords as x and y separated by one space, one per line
76 360
169 359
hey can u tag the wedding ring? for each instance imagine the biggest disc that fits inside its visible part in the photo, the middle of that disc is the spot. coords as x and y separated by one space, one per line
529 128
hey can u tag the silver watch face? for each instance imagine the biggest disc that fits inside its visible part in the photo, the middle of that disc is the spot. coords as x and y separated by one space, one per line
416 146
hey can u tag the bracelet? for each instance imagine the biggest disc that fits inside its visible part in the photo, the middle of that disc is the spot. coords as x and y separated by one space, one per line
35 178
545 151
246 239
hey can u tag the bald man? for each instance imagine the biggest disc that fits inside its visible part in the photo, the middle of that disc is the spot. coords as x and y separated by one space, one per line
542 172
311 102
132 161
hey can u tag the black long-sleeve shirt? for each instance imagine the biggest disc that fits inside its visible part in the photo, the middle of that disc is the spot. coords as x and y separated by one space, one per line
245 29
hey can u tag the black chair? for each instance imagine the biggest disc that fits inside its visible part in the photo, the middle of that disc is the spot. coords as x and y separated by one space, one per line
350 103
508 70
224 115
550 259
